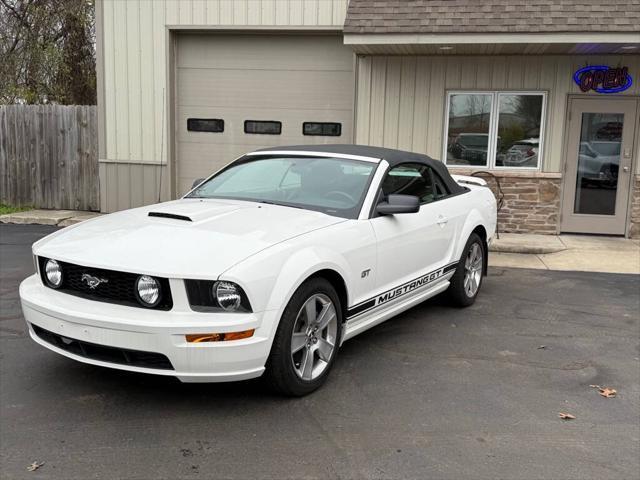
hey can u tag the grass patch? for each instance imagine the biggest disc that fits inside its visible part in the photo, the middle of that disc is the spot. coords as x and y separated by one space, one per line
5 209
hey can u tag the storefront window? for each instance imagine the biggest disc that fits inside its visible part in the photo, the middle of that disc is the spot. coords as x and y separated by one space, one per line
510 140
468 133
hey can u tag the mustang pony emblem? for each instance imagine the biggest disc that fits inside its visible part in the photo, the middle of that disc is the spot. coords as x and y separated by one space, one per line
91 281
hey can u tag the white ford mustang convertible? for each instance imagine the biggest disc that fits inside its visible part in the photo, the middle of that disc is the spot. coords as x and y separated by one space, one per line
266 267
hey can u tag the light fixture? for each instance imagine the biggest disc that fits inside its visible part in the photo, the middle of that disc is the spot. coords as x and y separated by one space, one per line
228 295
218 337
148 290
445 47
53 273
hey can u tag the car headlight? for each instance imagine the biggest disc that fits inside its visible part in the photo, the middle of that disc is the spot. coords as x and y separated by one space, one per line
148 290
53 273
228 295
212 296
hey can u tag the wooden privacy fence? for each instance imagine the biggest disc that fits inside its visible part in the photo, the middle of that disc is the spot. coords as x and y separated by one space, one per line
49 156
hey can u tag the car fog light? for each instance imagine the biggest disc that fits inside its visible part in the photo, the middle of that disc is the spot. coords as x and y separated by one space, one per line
228 295
148 290
53 273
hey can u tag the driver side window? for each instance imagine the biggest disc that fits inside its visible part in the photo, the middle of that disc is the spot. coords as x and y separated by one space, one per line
410 179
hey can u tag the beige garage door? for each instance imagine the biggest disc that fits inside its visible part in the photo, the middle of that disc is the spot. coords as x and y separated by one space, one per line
259 83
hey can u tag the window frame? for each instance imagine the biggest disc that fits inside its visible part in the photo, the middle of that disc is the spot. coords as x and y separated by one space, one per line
278 122
432 174
494 116
339 134
190 121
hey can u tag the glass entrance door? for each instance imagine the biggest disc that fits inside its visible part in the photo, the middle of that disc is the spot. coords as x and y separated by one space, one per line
598 169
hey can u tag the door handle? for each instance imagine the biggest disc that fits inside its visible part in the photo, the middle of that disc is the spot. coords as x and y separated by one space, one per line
442 221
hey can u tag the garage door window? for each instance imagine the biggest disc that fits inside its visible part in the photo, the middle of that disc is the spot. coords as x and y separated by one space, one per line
326 129
494 129
213 125
263 127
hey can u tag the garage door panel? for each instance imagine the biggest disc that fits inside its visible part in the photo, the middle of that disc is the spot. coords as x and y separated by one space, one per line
257 52
237 88
290 79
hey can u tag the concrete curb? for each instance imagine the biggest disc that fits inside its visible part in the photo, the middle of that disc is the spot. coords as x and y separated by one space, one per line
524 248
62 218
527 243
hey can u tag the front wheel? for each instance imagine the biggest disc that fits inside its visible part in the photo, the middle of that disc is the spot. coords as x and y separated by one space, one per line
467 279
306 342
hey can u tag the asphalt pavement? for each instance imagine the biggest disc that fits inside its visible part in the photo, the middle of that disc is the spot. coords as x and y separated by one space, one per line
437 392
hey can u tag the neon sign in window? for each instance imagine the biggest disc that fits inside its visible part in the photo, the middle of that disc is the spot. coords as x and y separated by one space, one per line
603 79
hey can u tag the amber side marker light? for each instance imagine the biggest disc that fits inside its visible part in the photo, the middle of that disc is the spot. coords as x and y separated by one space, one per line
218 337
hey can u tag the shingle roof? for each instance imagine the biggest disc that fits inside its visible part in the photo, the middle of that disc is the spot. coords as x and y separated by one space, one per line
492 16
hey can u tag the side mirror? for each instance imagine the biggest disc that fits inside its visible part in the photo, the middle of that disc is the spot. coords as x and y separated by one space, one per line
399 204
197 182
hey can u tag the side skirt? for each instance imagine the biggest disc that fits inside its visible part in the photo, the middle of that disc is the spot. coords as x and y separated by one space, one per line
364 322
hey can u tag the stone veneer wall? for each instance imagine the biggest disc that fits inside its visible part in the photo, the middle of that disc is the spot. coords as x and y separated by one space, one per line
531 201
634 228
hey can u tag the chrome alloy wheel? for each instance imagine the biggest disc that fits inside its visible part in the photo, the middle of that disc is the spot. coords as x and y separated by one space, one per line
473 270
314 337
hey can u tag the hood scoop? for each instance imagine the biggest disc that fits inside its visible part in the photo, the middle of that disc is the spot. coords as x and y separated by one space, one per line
173 216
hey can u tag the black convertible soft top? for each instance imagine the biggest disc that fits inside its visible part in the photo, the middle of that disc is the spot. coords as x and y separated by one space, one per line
394 157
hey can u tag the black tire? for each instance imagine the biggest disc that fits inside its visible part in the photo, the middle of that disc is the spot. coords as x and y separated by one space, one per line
280 373
457 292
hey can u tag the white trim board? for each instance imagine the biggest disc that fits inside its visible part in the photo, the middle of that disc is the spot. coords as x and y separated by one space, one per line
477 38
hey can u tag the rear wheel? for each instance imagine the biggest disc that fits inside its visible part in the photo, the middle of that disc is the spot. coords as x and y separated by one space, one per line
467 280
306 342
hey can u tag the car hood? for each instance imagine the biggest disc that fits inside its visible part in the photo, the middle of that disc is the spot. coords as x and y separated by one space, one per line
211 236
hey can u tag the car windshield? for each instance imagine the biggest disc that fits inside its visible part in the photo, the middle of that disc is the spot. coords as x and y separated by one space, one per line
334 186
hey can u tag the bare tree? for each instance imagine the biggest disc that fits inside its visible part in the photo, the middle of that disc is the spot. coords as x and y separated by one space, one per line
47 51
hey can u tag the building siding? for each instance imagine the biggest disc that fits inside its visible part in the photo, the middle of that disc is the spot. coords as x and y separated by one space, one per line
401 99
134 42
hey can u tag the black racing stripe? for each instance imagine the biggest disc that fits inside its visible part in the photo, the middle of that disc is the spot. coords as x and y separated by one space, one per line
371 303
366 305
451 266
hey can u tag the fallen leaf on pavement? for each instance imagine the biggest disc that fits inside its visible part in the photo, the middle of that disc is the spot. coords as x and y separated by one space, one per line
606 392
566 416
34 466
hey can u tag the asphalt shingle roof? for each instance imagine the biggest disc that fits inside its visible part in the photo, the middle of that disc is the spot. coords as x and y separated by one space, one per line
492 16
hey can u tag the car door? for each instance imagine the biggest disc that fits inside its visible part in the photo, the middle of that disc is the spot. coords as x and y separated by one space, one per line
413 244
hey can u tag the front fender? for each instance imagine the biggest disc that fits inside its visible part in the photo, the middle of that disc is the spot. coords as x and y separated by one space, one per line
271 280
302 265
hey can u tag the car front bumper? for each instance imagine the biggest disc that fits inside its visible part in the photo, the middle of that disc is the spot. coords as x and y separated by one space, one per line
142 330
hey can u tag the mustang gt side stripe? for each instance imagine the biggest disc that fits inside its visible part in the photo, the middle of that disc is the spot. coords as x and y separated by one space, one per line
399 291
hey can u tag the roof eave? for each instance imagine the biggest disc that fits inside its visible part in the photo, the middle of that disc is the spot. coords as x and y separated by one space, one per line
488 38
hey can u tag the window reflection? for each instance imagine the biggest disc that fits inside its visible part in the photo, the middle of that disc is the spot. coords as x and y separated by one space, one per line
598 162
519 118
469 123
